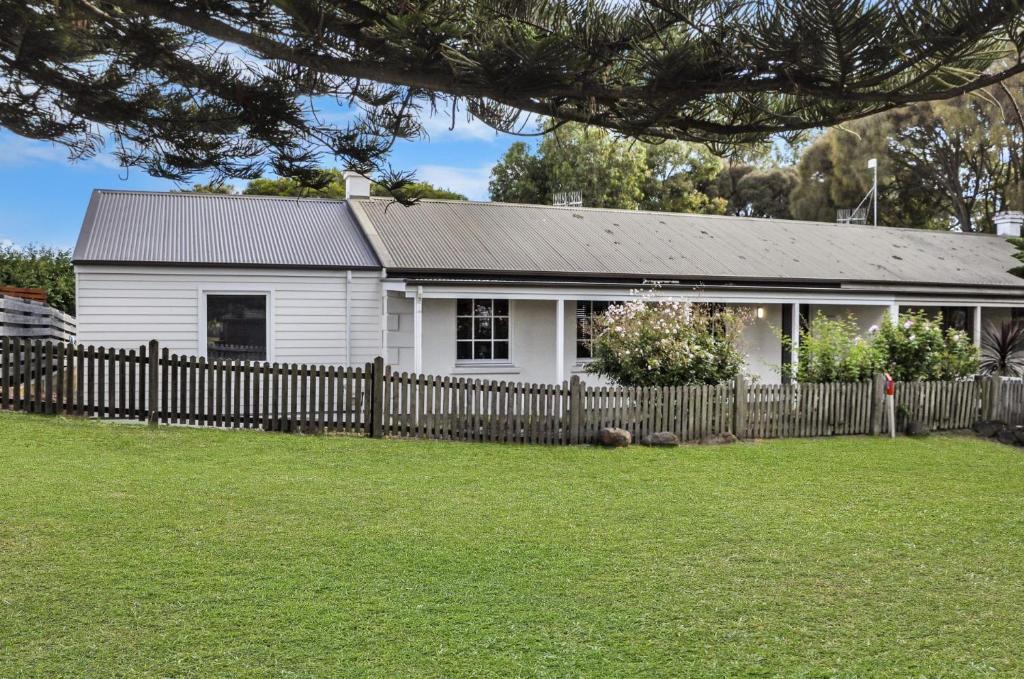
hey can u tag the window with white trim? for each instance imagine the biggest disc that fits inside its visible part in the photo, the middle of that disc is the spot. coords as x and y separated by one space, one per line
586 312
236 327
482 330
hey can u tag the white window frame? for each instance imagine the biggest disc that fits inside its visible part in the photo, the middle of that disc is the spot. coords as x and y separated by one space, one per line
469 362
583 360
205 291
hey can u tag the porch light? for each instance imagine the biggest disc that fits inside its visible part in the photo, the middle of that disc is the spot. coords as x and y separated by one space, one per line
760 312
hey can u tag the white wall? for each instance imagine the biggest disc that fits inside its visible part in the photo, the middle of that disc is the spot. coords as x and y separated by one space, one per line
124 307
533 342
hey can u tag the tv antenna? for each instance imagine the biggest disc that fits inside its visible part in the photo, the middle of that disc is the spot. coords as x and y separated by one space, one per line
567 199
859 214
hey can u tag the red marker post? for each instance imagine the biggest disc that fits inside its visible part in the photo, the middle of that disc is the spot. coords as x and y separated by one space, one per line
890 397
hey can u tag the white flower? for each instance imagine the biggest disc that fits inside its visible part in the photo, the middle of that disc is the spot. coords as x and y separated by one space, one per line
873 329
907 323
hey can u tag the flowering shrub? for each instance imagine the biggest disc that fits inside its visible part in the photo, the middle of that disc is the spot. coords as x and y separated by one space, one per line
916 348
661 343
835 351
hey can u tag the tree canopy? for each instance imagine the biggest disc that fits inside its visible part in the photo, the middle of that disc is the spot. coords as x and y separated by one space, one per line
238 87
941 164
612 171
284 186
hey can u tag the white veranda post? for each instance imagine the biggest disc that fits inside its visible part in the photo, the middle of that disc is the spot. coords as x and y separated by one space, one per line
417 332
559 341
977 326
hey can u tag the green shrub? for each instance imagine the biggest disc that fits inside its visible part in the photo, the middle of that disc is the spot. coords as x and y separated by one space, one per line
833 350
662 343
916 348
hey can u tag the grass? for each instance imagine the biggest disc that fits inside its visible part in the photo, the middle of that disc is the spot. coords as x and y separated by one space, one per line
173 552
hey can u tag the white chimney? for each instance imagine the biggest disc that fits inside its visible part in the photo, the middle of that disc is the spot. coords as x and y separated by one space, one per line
1009 223
356 185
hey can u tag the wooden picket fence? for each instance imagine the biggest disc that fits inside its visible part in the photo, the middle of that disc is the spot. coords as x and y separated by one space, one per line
150 384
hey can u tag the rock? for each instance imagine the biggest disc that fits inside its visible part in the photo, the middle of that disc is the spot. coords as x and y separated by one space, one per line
1018 433
719 439
987 428
916 428
661 438
1007 436
612 437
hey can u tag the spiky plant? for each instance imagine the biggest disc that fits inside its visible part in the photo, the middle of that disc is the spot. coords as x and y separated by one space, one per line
1002 349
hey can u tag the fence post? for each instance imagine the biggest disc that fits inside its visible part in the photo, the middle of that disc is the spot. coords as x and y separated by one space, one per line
877 403
377 399
575 409
739 415
152 399
991 398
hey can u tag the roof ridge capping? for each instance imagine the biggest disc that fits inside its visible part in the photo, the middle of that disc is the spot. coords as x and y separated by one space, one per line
189 194
662 213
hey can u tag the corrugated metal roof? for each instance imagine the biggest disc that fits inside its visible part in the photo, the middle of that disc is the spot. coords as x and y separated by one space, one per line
450 236
136 227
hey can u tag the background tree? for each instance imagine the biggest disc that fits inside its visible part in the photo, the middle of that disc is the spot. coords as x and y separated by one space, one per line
284 186
679 178
40 267
941 164
234 87
751 191
610 171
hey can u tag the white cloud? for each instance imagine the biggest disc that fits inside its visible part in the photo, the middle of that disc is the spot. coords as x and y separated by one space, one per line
15 150
469 181
440 129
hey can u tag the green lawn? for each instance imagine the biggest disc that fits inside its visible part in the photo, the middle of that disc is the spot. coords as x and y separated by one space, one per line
127 551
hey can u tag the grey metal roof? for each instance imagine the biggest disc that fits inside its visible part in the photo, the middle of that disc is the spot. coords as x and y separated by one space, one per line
466 237
134 227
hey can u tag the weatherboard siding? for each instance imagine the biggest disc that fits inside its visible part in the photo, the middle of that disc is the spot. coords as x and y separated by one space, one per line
127 306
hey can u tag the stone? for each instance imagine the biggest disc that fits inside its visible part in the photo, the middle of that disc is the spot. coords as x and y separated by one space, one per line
719 439
612 437
1006 436
987 428
661 438
1018 433
916 428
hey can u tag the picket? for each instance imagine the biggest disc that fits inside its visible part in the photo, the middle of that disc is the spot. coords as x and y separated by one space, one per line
151 383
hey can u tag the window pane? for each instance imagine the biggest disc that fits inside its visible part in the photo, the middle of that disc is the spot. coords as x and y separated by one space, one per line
600 307
236 327
482 328
464 307
464 328
582 308
501 350
583 350
481 350
584 329
500 328
482 307
501 307
464 351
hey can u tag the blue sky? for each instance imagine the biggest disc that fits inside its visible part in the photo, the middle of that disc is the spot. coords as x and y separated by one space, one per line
43 195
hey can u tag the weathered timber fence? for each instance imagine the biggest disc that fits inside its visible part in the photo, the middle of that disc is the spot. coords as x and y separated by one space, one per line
150 384
34 320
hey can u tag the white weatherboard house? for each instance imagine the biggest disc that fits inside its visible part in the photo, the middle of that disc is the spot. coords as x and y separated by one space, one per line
490 290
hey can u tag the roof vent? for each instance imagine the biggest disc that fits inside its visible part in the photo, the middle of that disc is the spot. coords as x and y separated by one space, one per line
356 185
1008 223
